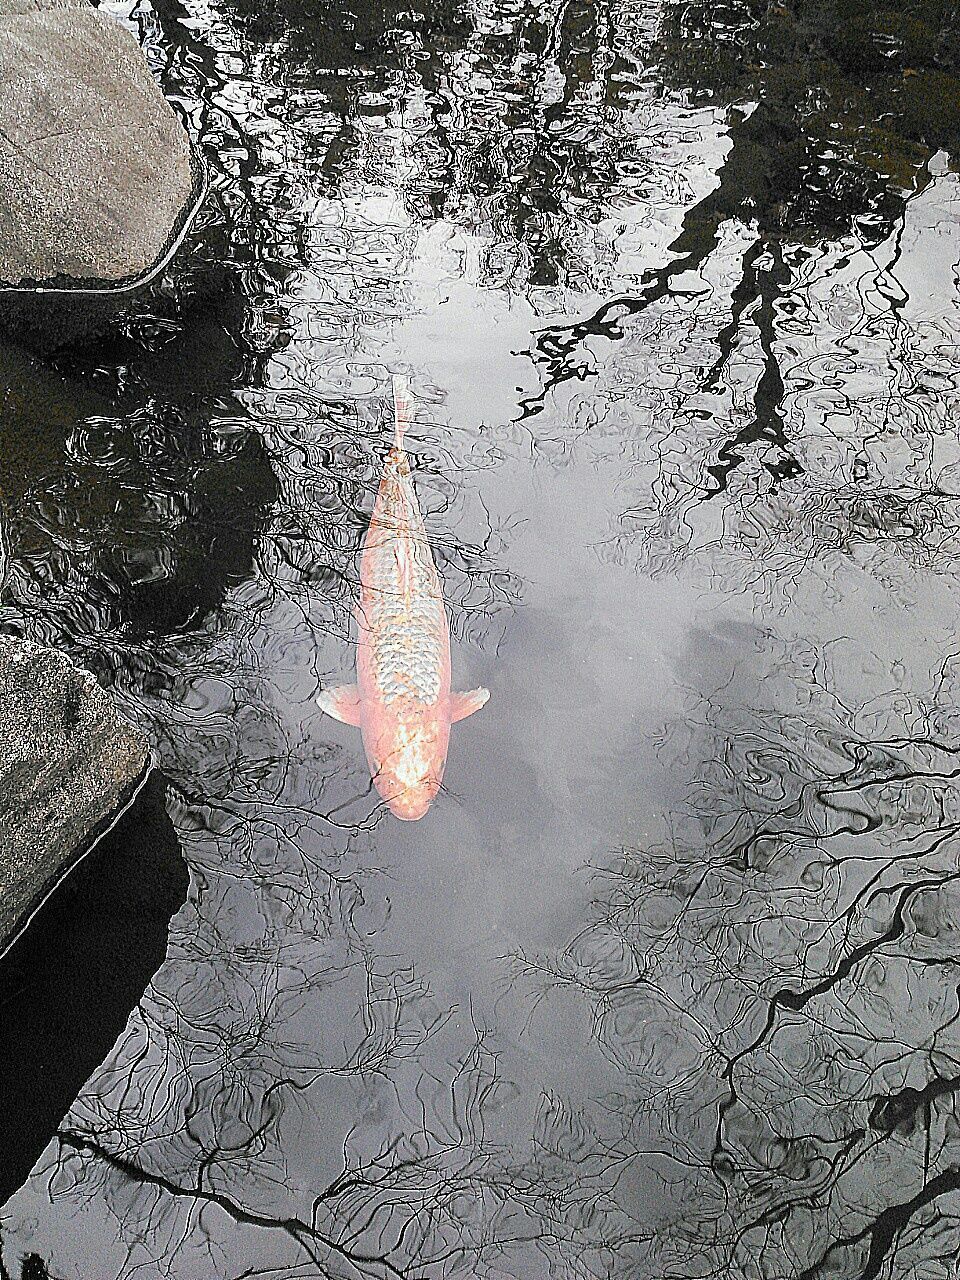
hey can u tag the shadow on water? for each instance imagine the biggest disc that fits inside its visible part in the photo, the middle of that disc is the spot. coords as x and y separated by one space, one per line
135 516
70 982
32 1267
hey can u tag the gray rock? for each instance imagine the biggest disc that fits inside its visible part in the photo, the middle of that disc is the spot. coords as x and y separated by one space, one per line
8 8
68 762
96 170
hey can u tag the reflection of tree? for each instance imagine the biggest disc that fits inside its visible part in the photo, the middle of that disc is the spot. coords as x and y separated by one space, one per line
833 145
866 400
285 1097
776 983
511 121
538 162
283 226
295 1087
834 120
154 507
394 1203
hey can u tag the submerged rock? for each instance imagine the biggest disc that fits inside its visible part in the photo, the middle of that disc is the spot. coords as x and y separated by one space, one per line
68 764
96 170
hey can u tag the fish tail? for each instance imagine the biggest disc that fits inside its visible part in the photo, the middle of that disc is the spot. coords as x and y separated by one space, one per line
401 408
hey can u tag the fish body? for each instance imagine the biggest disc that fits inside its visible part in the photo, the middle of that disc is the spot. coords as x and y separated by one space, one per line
402 702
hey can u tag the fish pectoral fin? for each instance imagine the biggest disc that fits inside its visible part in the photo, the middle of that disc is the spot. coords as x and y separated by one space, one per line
342 702
465 704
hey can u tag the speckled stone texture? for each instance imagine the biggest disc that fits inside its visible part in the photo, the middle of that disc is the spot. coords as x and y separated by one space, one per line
68 761
95 167
8 8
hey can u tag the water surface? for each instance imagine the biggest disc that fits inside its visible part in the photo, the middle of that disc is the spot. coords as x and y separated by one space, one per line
665 984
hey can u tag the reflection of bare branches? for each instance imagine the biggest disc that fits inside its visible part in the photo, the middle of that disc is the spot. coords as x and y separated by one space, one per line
763 286
286 1099
411 1202
803 163
275 1035
818 432
775 984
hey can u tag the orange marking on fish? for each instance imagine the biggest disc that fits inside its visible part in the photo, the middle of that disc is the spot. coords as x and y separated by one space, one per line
401 702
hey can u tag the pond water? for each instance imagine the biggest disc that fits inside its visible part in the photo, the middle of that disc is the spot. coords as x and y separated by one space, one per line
666 982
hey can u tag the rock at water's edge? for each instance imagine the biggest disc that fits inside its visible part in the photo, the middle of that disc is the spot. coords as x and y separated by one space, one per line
68 762
96 169
10 8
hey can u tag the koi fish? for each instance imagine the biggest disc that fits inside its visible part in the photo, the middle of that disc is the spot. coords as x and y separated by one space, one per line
401 702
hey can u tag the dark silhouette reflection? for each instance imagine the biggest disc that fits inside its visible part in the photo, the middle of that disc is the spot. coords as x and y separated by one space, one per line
69 983
32 1268
778 439
534 162
848 109
127 510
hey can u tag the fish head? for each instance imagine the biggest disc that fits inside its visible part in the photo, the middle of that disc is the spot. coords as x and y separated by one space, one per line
409 760
411 805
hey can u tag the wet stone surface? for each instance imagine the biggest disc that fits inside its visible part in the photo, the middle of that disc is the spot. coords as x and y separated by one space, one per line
95 167
67 762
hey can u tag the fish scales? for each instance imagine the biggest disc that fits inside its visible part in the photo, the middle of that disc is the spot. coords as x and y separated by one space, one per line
403 604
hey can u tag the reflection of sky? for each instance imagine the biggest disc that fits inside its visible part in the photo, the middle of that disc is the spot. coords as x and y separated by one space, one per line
647 637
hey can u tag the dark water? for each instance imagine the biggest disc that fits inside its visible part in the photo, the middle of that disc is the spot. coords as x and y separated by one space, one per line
67 987
666 983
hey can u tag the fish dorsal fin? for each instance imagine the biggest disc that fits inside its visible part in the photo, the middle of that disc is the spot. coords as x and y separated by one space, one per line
341 702
401 408
465 704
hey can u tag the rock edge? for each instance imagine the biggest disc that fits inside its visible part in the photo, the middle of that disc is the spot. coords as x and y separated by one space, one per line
68 763
96 170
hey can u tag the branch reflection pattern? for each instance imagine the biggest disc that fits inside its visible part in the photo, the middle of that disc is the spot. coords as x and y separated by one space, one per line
719 277
775 983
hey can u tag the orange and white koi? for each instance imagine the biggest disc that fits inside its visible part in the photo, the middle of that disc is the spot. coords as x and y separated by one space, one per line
401 702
